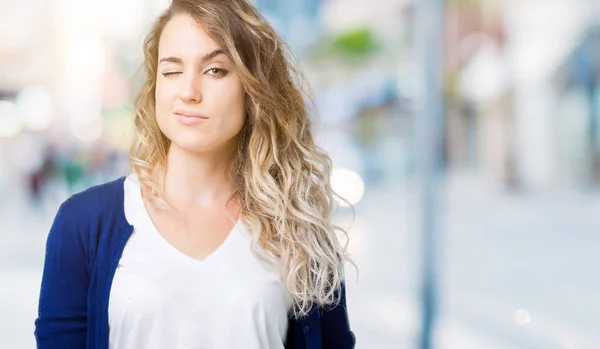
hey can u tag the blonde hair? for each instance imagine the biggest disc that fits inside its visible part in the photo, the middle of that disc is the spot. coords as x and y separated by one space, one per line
282 178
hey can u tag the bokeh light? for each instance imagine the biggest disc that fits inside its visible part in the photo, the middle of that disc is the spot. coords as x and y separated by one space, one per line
35 108
9 119
348 184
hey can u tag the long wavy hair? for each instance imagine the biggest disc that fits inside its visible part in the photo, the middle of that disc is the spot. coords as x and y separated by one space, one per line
282 178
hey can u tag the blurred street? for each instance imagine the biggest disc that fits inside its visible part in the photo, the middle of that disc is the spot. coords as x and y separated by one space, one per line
498 257
503 97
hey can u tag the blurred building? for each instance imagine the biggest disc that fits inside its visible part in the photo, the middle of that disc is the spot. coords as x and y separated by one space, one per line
502 100
578 116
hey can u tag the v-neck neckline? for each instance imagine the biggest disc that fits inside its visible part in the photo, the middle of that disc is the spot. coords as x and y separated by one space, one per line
172 250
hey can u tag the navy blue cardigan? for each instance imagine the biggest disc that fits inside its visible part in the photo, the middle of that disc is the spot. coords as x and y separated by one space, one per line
83 249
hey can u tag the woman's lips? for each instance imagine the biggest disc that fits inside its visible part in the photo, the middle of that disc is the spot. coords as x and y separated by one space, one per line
189 118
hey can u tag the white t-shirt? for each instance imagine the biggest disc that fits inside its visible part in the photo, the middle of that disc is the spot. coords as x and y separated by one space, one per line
162 298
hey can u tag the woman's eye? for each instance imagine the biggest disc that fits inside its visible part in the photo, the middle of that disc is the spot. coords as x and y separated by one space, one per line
171 73
217 71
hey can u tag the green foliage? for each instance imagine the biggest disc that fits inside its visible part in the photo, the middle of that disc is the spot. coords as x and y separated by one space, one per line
357 42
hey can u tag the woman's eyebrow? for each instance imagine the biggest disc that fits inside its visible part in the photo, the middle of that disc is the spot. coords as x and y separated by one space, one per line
204 58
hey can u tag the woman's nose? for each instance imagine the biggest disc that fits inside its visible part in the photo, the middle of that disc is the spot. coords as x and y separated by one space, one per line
190 91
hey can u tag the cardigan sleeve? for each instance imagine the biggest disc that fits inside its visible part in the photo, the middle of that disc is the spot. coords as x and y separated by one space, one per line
62 311
335 326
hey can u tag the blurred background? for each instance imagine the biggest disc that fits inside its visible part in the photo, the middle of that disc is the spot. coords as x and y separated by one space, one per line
516 248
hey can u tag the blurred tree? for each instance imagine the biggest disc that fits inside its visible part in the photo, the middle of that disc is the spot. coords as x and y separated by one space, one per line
357 42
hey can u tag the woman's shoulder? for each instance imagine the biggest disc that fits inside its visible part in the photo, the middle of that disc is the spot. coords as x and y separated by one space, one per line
86 219
105 198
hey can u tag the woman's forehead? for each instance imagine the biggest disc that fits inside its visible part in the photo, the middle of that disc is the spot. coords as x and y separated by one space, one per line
184 36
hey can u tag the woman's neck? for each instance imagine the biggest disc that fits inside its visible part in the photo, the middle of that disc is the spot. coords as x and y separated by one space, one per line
193 179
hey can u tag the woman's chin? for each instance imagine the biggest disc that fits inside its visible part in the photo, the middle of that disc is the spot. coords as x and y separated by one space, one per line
194 147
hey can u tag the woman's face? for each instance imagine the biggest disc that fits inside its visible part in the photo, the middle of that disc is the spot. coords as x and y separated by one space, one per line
199 95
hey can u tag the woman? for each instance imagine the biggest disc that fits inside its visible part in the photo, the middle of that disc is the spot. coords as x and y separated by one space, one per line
221 236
